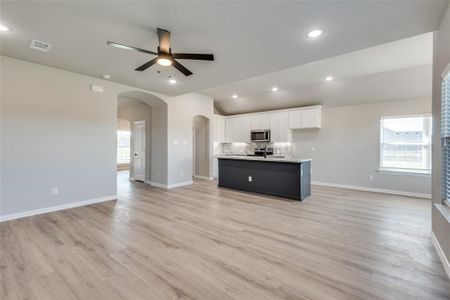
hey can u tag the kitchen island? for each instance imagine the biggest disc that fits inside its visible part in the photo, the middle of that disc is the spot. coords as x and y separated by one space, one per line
276 176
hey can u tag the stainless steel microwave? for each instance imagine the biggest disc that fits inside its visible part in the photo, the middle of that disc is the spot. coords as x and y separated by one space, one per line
260 135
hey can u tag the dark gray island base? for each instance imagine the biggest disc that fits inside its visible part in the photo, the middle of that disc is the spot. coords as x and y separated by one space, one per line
282 178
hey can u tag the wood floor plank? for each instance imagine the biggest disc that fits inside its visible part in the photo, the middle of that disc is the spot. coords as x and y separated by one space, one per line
202 242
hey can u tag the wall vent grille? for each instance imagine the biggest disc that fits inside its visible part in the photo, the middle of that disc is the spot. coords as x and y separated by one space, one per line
40 45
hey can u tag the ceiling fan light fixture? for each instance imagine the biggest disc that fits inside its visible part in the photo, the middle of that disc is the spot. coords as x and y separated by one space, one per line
164 60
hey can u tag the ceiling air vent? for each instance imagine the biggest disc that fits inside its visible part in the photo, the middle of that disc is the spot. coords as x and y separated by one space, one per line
40 45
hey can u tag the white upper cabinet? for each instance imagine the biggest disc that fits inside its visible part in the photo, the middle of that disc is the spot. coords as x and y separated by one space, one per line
260 121
280 123
219 129
229 132
238 129
279 127
310 117
246 129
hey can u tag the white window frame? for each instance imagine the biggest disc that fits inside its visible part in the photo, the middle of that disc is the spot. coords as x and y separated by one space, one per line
400 170
443 76
117 146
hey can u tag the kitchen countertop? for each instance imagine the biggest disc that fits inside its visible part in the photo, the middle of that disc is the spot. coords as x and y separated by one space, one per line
286 159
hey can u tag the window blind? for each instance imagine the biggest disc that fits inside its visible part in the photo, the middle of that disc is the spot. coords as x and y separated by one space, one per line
445 136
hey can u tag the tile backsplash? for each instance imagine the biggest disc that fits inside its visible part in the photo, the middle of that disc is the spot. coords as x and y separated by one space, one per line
248 148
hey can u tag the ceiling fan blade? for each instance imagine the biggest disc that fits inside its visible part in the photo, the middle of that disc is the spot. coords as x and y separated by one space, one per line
147 65
117 45
181 68
193 56
164 40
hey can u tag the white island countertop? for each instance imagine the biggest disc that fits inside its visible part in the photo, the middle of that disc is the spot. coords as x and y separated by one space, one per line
271 158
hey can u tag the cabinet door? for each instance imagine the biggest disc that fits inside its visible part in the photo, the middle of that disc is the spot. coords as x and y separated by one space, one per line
215 129
221 129
236 125
229 130
265 121
295 119
254 122
260 121
246 129
311 118
279 127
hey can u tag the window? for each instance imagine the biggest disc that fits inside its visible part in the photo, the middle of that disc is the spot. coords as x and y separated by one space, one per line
406 144
445 137
123 147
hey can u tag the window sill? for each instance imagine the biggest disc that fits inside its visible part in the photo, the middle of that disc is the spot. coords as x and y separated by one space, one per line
403 172
444 209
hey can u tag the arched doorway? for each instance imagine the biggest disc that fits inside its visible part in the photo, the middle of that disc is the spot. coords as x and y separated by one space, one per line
147 115
200 147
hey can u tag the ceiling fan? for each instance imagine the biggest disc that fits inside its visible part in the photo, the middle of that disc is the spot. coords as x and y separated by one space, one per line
164 56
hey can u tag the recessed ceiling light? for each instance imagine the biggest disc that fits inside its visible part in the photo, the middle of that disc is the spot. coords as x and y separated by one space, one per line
106 76
313 34
4 28
235 96
329 78
274 89
172 81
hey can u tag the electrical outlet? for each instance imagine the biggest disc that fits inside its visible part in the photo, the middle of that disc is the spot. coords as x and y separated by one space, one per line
55 191
250 179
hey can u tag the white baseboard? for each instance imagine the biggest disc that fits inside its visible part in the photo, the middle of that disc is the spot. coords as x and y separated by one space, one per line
369 189
168 186
39 211
156 184
171 186
441 254
203 177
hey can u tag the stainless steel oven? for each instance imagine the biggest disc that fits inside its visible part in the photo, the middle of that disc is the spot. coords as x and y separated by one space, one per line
260 135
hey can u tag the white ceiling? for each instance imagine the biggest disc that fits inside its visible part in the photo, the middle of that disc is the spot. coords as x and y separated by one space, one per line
403 84
248 38
394 65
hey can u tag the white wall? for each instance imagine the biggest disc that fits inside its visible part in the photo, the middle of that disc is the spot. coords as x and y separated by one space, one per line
441 59
55 132
347 147
160 156
201 146
181 111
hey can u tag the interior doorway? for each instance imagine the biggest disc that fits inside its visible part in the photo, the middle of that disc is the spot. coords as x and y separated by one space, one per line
138 158
147 151
200 147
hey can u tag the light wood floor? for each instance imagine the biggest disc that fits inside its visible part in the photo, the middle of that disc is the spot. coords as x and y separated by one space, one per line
201 242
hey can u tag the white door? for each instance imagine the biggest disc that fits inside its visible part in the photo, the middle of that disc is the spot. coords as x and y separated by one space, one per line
138 157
